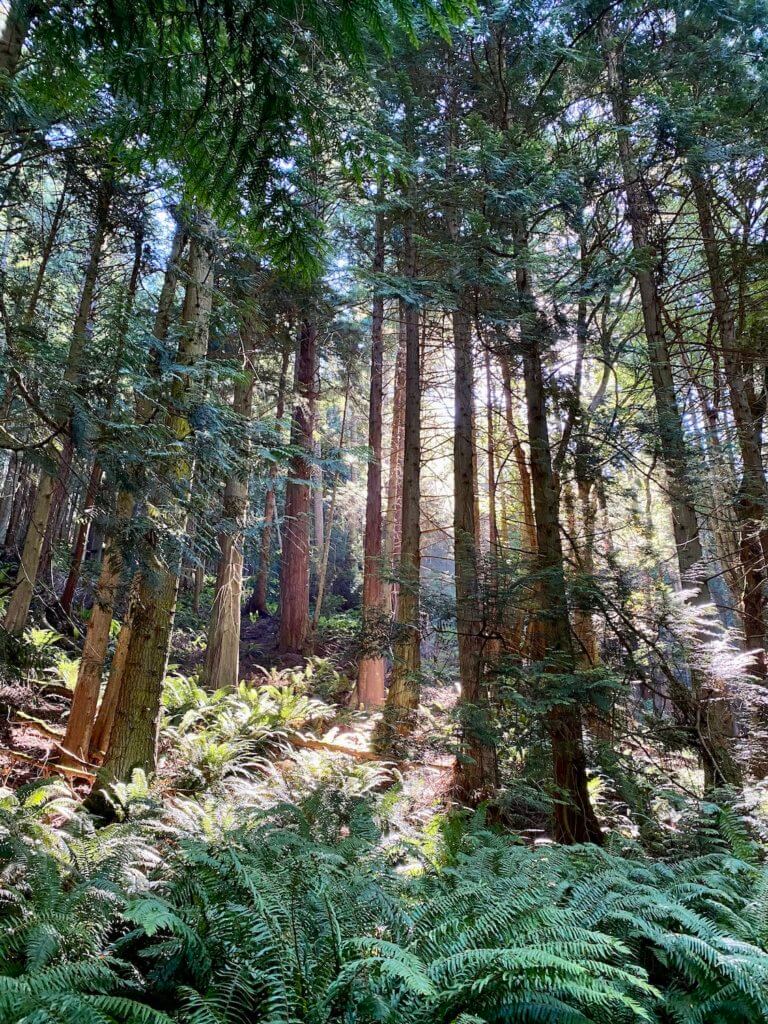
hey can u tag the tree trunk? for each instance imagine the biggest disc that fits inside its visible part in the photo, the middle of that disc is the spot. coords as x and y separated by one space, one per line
393 521
528 531
222 665
575 820
96 642
640 212
21 598
258 599
295 564
322 569
752 499
13 33
78 551
318 503
719 766
94 481
490 454
82 714
21 501
133 741
476 771
10 488
371 671
403 696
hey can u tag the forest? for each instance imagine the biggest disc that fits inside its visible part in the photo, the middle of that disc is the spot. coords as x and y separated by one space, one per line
383 512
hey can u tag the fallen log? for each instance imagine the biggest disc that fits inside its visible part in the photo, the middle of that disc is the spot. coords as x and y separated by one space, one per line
37 725
304 743
48 766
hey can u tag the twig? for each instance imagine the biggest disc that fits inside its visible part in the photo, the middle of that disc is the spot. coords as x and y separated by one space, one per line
48 766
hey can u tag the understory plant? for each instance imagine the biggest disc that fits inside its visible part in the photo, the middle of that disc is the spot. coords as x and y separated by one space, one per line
310 912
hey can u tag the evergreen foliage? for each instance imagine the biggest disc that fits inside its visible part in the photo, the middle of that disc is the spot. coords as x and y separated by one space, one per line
307 912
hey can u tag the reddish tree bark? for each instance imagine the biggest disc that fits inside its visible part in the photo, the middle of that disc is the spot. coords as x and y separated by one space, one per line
295 565
370 679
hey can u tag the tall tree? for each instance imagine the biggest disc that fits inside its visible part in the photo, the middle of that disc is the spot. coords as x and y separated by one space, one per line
371 671
222 663
81 721
133 739
18 606
295 562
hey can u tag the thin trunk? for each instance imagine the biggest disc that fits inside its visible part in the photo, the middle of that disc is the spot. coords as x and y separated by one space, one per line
318 506
94 480
198 583
752 499
393 521
78 551
515 639
528 532
258 600
575 820
322 572
222 665
640 212
476 770
21 501
371 671
719 766
50 238
490 454
18 607
295 565
10 488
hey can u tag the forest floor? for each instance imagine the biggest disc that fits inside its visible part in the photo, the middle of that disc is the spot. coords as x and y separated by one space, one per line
34 707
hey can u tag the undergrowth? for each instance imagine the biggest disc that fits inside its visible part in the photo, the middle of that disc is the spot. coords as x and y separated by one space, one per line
205 913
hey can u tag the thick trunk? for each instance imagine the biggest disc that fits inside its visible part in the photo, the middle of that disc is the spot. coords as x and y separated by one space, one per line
133 741
82 714
403 697
45 500
476 771
97 635
575 820
295 565
102 727
371 671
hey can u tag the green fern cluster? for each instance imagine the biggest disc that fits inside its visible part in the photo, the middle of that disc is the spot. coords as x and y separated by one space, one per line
230 732
306 914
